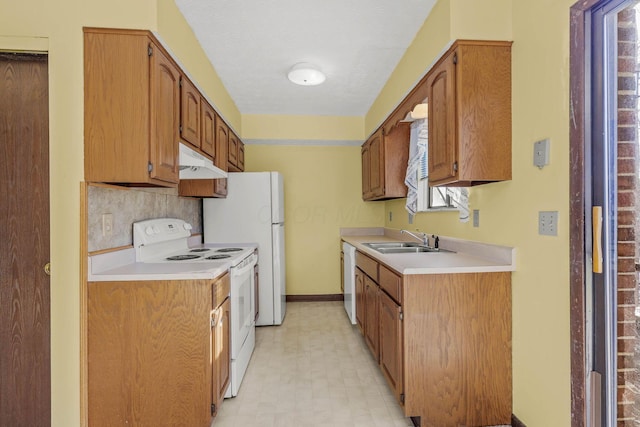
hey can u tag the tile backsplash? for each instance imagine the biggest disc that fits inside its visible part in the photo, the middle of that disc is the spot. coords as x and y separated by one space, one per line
129 205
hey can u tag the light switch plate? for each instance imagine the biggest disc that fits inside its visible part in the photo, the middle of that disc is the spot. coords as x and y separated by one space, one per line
548 223
541 153
107 224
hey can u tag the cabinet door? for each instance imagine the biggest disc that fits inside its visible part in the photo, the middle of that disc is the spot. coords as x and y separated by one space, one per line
360 302
371 316
222 144
208 132
240 156
233 149
189 112
376 165
442 121
165 117
391 360
366 167
221 352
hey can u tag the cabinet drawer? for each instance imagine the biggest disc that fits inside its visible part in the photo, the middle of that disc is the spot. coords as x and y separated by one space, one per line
221 289
391 283
368 265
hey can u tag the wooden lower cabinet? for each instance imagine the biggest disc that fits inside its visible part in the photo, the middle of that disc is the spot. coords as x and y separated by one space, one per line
391 345
371 315
443 342
221 343
360 304
149 352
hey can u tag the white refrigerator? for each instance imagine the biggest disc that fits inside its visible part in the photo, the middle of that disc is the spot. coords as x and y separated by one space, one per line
253 212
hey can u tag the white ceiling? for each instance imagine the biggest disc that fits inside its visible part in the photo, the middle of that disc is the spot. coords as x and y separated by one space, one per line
356 43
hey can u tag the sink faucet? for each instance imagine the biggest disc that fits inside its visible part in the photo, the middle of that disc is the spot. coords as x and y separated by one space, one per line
421 236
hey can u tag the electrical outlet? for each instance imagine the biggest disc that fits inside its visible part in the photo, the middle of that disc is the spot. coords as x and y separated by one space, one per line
541 153
390 216
476 217
107 224
548 223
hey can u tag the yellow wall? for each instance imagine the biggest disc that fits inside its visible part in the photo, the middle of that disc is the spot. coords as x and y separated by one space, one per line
322 193
314 128
509 210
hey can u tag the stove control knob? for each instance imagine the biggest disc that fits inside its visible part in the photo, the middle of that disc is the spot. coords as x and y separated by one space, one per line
156 230
149 231
187 226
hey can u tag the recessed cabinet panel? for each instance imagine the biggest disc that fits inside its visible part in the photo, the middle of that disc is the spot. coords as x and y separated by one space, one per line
208 132
165 117
442 156
189 113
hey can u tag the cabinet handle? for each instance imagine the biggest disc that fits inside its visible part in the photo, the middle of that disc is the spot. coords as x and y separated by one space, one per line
213 322
455 166
47 269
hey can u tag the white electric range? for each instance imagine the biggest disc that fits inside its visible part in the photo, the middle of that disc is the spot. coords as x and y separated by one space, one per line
163 249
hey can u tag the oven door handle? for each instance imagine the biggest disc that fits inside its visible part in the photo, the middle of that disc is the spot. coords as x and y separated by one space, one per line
248 267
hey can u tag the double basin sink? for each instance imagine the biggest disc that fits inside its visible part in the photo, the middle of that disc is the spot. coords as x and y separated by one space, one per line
403 248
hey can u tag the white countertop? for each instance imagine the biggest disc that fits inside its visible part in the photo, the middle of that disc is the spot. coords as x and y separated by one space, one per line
121 266
468 256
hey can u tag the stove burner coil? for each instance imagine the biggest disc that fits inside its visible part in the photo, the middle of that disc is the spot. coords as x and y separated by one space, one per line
229 250
199 250
182 257
220 256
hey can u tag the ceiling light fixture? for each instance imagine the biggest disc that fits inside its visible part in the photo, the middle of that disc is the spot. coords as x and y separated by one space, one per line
306 74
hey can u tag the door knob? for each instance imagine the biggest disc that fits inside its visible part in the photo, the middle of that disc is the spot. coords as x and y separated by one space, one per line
47 269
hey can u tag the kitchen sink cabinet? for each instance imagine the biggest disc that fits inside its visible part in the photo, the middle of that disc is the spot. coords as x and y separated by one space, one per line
384 164
442 341
132 109
391 349
469 93
154 356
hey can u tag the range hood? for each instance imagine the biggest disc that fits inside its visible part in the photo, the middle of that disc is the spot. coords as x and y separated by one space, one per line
194 165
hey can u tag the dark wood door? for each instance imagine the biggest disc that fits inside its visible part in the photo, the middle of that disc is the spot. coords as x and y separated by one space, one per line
25 375
189 112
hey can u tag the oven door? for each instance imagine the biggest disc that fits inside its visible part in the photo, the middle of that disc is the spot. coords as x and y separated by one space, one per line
242 305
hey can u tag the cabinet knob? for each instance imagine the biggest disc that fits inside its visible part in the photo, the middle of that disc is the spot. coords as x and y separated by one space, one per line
47 269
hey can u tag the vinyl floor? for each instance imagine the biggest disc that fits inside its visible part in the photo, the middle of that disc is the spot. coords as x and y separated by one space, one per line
312 371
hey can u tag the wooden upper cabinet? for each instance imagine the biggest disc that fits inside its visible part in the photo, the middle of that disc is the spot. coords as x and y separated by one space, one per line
240 155
233 150
384 164
469 91
131 109
222 149
190 112
165 116
208 129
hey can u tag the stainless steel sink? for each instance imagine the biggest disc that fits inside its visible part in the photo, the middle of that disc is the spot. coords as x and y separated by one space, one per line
403 248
